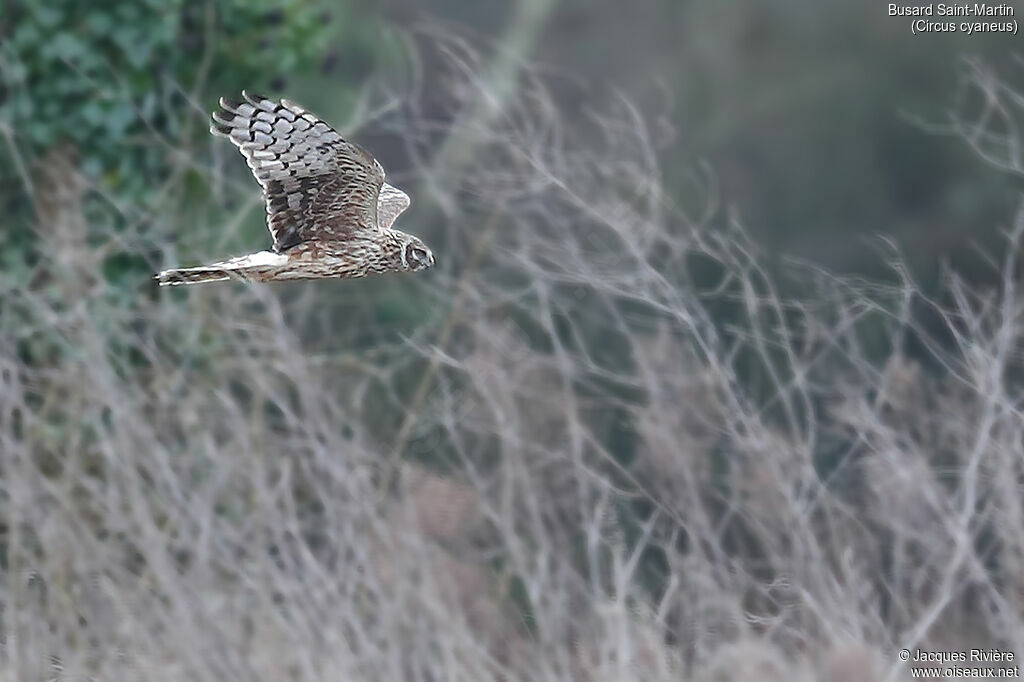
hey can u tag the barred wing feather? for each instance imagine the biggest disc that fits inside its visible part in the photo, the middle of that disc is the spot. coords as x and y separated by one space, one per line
317 184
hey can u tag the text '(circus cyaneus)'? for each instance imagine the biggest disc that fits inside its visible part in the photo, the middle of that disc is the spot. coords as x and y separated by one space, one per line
328 208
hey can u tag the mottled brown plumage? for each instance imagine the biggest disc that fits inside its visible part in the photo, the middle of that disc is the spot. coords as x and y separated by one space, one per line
328 208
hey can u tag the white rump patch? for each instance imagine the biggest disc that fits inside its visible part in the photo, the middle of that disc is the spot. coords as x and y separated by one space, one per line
266 258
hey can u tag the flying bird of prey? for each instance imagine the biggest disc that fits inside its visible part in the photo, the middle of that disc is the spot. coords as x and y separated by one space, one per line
328 208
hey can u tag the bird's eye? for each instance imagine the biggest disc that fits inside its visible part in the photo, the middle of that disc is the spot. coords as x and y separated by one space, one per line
419 254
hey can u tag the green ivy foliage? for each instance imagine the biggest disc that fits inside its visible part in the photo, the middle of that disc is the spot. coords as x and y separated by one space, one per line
123 88
109 77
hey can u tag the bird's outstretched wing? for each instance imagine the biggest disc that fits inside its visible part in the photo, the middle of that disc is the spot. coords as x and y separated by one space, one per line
390 204
317 184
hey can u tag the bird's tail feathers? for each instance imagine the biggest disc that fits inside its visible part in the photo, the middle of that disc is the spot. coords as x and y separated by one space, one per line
252 267
256 267
206 273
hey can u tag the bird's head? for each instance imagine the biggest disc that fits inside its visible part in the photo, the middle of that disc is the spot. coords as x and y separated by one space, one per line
415 254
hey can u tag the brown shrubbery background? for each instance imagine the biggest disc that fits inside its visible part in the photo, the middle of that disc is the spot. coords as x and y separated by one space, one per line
610 446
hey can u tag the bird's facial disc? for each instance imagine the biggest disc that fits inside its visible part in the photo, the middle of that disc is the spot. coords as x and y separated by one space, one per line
416 256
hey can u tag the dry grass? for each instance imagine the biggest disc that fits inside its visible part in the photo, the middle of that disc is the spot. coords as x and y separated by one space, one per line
615 471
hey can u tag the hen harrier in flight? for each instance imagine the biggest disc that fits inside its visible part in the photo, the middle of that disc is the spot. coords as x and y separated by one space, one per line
328 208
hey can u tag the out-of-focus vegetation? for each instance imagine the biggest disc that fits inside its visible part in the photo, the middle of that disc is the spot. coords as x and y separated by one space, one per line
118 93
819 119
110 77
612 436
